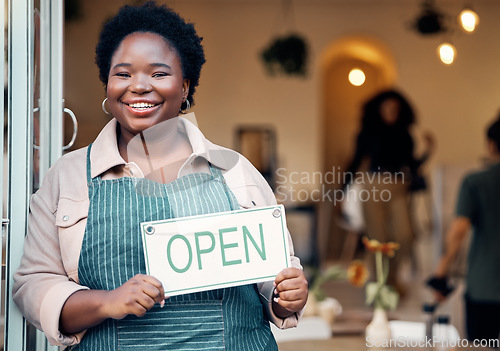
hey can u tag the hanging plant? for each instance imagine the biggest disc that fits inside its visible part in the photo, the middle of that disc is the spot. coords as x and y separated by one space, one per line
287 55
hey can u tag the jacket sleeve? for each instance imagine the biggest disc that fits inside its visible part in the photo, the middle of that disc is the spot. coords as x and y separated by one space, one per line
251 189
41 285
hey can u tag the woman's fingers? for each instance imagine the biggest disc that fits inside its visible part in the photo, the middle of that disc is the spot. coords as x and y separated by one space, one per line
152 287
286 273
136 296
290 279
291 289
290 295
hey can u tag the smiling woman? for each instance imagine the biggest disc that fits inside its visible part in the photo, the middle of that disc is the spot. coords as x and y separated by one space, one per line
82 279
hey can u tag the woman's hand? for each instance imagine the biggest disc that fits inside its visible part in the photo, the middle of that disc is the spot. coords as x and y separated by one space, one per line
136 296
87 308
291 292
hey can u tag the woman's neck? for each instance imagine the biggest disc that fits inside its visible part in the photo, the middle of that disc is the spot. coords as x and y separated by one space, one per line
161 148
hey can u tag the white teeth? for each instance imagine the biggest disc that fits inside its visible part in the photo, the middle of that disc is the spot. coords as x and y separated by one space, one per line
140 105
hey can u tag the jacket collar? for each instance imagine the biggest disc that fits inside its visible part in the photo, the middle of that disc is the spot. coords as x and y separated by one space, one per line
105 154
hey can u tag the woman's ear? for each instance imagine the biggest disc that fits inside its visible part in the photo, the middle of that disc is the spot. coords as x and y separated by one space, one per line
185 88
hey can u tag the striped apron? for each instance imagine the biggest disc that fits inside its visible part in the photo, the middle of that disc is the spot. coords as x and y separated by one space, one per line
112 252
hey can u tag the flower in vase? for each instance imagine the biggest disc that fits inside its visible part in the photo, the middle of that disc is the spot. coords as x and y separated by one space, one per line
389 249
379 293
357 273
371 245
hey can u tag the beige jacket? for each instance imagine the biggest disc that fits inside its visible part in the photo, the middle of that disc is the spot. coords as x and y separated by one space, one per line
48 273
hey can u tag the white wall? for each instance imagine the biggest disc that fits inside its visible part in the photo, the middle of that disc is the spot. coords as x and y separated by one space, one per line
455 102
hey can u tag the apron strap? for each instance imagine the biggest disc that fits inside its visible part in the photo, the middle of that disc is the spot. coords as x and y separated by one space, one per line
89 177
217 174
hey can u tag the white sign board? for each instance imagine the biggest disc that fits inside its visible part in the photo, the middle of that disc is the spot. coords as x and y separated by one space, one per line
216 250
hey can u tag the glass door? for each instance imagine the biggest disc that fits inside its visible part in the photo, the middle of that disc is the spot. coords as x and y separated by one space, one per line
33 117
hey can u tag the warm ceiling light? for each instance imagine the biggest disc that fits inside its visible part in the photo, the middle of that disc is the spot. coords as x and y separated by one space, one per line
357 77
469 20
447 53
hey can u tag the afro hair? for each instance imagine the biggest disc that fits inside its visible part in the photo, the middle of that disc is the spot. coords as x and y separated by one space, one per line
160 20
493 133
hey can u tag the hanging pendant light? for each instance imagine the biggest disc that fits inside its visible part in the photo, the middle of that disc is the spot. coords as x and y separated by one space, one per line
468 19
357 77
447 53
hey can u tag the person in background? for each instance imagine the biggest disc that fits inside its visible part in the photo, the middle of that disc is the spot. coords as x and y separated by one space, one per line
385 156
478 208
82 279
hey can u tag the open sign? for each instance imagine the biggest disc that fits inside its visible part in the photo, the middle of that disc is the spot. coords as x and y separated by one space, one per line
212 251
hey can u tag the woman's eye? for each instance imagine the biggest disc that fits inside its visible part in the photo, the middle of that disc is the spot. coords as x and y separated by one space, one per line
159 74
123 74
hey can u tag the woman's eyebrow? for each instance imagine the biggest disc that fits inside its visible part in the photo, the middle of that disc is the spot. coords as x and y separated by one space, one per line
124 64
154 64
157 64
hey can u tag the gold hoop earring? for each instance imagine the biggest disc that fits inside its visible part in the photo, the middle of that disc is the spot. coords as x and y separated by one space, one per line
103 105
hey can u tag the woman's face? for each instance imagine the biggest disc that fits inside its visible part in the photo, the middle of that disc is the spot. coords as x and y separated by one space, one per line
145 83
389 111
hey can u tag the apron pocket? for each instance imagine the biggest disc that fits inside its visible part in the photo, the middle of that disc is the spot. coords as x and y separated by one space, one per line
182 325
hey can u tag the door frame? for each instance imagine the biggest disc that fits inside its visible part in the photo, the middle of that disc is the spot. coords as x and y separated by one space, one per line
20 146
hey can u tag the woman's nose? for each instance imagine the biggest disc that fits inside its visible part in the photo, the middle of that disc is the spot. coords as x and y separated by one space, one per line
140 84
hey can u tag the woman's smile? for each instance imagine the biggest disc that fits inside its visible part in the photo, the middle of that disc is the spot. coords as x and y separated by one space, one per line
142 108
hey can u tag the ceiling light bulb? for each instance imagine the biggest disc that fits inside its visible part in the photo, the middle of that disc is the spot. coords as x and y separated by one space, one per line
447 53
357 77
469 20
